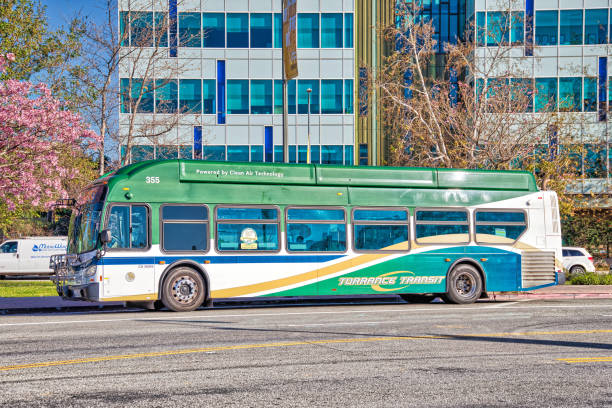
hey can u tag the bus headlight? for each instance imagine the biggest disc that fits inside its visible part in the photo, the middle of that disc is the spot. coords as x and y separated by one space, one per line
91 270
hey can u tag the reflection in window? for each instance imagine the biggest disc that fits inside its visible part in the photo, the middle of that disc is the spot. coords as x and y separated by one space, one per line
570 94
161 29
348 30
261 96
237 153
184 228
596 26
331 96
166 96
247 229
261 30
142 29
499 227
128 226
213 25
384 230
9 248
189 30
498 28
316 230
570 27
546 26
238 96
546 95
191 95
590 94
308 30
214 153
517 23
442 226
303 86
237 30
331 30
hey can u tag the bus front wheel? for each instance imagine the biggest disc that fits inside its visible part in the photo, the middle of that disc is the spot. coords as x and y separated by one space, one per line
464 285
183 290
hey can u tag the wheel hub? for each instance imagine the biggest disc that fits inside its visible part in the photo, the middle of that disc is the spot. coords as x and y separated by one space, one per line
184 289
465 285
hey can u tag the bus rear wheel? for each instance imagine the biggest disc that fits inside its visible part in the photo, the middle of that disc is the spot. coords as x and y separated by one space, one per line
183 290
464 285
414 298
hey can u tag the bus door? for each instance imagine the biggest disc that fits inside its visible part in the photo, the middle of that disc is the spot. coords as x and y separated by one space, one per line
128 269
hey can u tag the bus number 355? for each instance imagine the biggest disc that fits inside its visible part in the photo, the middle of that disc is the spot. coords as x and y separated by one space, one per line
152 180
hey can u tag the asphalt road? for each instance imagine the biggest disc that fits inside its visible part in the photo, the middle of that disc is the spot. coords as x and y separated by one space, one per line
530 353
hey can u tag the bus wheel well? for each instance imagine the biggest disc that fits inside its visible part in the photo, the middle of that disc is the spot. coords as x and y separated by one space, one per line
189 264
475 264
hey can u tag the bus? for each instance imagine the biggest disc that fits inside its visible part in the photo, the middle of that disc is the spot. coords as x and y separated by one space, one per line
181 233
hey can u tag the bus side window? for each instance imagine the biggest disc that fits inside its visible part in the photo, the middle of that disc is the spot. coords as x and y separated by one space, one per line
442 226
247 229
499 226
184 228
316 230
128 226
378 229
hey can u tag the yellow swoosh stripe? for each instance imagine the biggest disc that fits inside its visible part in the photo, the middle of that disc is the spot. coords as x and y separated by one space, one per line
585 359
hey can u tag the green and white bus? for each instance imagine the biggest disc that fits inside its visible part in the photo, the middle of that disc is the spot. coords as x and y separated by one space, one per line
182 233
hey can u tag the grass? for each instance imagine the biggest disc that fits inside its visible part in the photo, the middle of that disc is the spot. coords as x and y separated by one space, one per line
27 288
590 279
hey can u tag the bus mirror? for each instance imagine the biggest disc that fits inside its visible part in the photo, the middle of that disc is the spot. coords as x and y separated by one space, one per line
105 236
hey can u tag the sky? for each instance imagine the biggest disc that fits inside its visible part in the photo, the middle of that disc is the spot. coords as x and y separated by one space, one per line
59 12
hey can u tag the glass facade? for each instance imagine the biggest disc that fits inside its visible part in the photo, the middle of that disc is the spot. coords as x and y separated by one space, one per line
570 94
261 96
166 96
213 26
570 27
237 96
331 30
308 30
237 30
190 95
546 27
189 30
261 30
596 26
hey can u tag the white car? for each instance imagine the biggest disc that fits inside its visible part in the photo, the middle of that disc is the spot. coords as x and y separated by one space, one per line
29 256
577 260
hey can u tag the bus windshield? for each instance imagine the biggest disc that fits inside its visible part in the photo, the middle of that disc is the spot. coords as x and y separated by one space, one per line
86 220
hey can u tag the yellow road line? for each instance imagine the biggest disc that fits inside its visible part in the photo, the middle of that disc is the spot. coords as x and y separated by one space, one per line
289 344
576 360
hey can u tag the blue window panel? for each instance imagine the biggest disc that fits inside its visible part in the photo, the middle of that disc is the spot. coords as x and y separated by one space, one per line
315 154
261 30
230 237
546 94
381 237
315 214
601 91
208 93
529 30
292 154
596 26
303 86
237 96
161 29
331 30
179 236
517 30
570 94
141 29
173 29
570 27
459 232
278 30
349 96
363 154
308 30
268 144
499 216
348 155
331 96
221 95
257 154
331 154
146 99
190 30
197 142
124 24
380 215
441 215
292 96
595 160
590 94
166 152
186 152
524 88
125 96
546 27
213 26
238 153
278 96
278 154
261 96
302 153
166 96
498 29
316 237
142 153
237 30
348 30
236 213
214 152
481 29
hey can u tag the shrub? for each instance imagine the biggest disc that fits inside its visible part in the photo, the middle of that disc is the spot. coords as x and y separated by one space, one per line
590 279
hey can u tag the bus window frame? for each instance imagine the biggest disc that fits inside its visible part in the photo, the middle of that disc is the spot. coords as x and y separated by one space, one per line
161 227
516 210
407 223
149 232
315 207
238 221
462 209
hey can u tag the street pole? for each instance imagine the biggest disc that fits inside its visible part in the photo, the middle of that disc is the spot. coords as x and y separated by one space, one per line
308 91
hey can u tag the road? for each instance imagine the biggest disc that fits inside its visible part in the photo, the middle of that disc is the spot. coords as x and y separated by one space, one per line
530 353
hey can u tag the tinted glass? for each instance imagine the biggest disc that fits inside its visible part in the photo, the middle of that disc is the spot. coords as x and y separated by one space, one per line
308 30
331 96
303 86
316 237
380 215
185 237
596 26
237 30
331 30
261 30
191 95
9 248
261 96
566 252
570 27
119 226
498 28
238 96
166 96
229 213
161 29
214 29
498 216
546 95
381 237
570 94
546 26
590 94
348 30
189 30
503 231
238 153
247 237
575 252
142 29
296 214
139 226
429 230
184 212
441 216
517 31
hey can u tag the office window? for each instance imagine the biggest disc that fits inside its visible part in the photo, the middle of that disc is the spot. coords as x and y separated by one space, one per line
237 30
278 154
546 27
302 153
237 96
348 30
292 153
590 94
189 30
316 230
125 95
208 87
184 227
161 29
594 158
331 96
499 226
124 24
142 29
146 99
238 153
517 30
481 29
331 154
261 96
570 27
348 155
261 30
570 94
214 152
213 25
331 30
546 94
142 152
380 229
349 96
190 91
257 154
165 152
278 30
498 28
166 96
521 91
308 30
303 85
442 226
596 26
247 229
278 96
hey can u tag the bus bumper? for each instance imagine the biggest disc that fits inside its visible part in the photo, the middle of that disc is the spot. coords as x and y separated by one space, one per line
81 292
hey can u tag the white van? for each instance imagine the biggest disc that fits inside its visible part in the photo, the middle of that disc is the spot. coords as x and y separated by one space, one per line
29 256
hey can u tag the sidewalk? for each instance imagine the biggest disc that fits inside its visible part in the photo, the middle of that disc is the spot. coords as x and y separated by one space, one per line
557 292
51 304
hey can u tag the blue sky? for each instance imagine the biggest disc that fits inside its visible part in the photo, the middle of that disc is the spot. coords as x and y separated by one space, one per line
59 12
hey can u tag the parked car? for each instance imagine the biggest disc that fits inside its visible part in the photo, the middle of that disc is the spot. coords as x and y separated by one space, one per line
577 260
29 256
